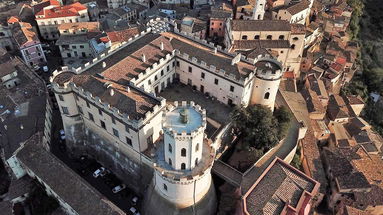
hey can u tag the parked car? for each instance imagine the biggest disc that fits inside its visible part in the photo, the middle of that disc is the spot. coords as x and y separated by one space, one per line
62 134
104 173
134 211
134 200
118 188
98 172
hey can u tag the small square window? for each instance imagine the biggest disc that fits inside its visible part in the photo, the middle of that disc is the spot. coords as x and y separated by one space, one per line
115 132
128 141
91 116
103 124
65 110
61 98
190 69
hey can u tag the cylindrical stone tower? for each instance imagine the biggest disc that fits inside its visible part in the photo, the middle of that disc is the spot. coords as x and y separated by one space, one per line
268 75
184 160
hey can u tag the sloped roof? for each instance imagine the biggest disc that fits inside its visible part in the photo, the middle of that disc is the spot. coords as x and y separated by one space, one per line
63 11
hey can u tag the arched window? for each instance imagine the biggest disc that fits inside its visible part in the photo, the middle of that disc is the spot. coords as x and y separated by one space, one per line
269 37
295 38
281 37
267 95
196 161
197 147
244 37
170 162
170 148
183 152
256 37
183 166
259 17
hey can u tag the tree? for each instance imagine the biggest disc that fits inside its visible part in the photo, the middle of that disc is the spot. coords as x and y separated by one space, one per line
256 125
283 116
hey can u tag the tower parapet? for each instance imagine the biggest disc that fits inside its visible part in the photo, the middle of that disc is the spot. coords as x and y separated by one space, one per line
185 157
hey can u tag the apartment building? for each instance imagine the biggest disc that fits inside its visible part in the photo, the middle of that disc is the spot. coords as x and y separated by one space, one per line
6 40
49 18
83 39
281 39
218 19
28 43
294 13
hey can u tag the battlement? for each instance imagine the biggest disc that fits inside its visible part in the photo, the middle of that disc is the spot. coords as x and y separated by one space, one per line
173 127
72 87
268 68
153 68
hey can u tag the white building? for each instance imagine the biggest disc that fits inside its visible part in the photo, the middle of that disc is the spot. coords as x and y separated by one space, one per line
185 159
259 10
293 13
49 18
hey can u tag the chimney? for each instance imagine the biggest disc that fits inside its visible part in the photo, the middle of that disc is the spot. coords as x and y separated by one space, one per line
143 57
162 46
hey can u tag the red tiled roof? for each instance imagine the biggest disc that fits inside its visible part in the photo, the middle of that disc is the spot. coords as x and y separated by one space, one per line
13 19
124 35
64 11
38 7
336 67
341 60
288 75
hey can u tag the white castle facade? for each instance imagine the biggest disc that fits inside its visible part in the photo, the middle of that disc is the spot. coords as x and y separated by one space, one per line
110 109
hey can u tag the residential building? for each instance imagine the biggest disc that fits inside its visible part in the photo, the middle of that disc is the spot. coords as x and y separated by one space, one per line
49 18
83 39
283 40
337 109
218 20
249 9
293 13
6 40
356 104
281 189
193 26
28 43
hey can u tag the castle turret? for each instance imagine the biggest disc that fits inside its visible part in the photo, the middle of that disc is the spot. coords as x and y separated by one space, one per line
268 74
183 165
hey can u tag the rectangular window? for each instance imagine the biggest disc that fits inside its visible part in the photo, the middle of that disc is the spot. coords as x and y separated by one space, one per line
65 110
202 75
76 97
129 141
231 88
61 98
216 81
113 121
103 124
91 116
127 128
73 47
100 112
115 133
190 69
79 109
81 47
178 63
149 140
173 63
167 68
87 104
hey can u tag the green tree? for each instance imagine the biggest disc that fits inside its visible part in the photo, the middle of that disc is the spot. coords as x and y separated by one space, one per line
257 126
283 115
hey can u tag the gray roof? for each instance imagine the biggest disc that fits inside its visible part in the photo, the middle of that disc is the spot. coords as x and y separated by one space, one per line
260 25
71 188
220 14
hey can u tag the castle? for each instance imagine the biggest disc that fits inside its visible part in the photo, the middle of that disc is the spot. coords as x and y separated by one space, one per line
111 111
